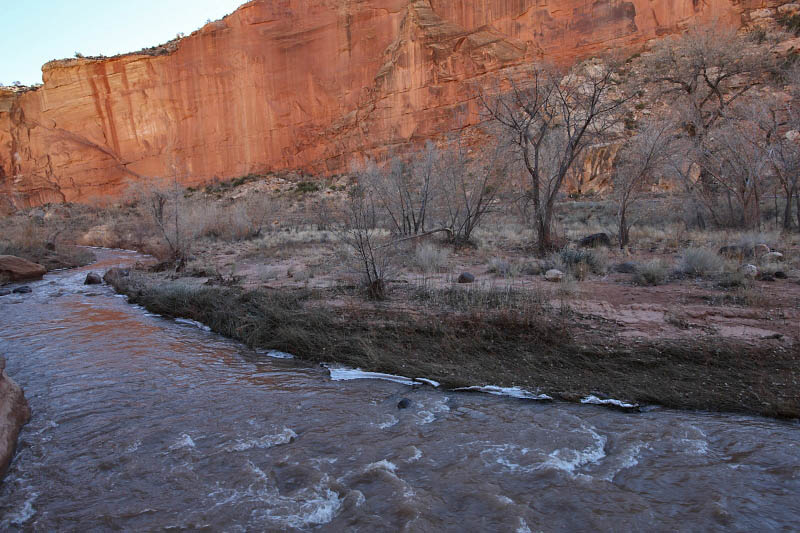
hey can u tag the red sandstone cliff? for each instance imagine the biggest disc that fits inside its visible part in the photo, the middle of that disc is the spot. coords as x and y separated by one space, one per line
302 84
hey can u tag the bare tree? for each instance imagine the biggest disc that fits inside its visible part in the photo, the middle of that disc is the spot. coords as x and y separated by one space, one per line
551 118
706 70
361 232
638 165
471 181
405 189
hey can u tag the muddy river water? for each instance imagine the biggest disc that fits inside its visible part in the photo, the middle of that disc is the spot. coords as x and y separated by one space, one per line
141 423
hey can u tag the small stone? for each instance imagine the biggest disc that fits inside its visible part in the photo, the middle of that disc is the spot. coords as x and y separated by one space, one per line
405 403
22 290
92 278
466 277
750 271
773 256
780 275
554 275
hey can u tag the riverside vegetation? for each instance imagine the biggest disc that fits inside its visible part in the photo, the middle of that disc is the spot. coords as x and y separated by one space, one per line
468 262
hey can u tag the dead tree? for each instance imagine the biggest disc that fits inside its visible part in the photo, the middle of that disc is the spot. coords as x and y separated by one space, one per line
551 117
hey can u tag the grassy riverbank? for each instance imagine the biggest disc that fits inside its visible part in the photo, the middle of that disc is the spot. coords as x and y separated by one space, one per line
500 338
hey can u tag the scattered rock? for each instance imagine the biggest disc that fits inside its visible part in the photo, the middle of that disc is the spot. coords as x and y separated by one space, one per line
92 278
554 275
22 290
750 271
466 277
116 273
595 240
773 256
780 275
628 267
16 268
766 277
405 403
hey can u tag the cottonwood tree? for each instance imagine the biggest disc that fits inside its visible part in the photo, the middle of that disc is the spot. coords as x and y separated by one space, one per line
706 71
471 182
638 166
360 230
551 117
405 189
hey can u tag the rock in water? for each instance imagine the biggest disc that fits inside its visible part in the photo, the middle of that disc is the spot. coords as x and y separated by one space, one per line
405 403
16 268
554 275
595 240
466 277
92 278
22 290
14 413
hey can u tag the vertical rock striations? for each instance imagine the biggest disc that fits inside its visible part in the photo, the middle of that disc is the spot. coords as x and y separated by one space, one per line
300 84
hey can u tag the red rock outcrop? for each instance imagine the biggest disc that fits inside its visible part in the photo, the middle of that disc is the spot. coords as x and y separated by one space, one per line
14 413
300 84
15 268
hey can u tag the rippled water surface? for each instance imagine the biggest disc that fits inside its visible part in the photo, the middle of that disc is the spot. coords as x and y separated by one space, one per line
142 423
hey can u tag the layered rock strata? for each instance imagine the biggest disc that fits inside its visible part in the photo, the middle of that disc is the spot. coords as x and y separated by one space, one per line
301 84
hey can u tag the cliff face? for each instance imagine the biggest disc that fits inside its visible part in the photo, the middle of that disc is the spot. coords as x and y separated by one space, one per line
300 84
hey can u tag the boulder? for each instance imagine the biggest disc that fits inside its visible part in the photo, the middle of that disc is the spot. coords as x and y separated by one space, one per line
628 267
750 271
466 277
22 290
405 403
18 269
93 278
14 413
773 256
595 240
553 275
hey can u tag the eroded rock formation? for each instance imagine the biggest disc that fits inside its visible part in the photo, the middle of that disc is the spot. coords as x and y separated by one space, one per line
300 84
14 413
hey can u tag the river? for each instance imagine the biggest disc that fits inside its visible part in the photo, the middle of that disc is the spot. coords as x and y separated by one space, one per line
141 423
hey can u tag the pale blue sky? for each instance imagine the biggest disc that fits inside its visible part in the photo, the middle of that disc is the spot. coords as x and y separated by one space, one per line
32 32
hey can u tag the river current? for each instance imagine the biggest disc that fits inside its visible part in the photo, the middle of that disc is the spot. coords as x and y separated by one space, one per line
143 423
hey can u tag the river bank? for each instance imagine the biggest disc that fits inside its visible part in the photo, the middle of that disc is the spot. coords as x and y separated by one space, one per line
513 340
14 413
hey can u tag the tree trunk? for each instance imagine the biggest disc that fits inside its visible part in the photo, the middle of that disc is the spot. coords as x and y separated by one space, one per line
787 211
624 231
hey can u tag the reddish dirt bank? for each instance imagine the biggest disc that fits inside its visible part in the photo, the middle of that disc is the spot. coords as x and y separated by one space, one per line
14 413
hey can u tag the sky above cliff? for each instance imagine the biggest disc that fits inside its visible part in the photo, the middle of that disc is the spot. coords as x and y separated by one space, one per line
35 31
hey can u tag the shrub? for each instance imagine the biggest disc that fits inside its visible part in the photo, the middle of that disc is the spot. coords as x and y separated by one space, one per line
307 187
653 272
503 268
578 262
700 262
430 258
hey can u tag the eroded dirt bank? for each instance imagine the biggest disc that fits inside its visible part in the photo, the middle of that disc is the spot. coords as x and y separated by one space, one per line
14 413
531 346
